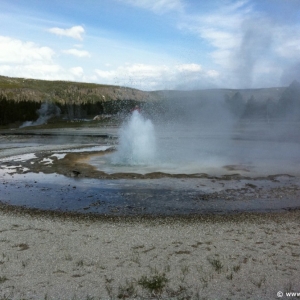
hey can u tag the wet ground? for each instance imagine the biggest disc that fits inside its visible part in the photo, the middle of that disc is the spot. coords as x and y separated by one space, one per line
55 170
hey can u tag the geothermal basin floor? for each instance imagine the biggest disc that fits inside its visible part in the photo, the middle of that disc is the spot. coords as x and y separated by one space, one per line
67 235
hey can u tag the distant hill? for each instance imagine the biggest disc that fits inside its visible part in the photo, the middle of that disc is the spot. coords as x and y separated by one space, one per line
21 98
65 92
261 94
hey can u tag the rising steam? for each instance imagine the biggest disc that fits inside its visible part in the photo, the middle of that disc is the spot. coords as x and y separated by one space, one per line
46 112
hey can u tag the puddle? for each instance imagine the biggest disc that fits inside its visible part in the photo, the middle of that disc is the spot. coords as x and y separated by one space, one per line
146 197
23 157
86 149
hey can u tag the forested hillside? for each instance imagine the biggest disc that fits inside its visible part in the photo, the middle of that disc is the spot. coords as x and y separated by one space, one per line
21 100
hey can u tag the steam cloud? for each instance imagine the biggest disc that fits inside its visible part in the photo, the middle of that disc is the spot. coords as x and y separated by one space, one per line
46 112
256 41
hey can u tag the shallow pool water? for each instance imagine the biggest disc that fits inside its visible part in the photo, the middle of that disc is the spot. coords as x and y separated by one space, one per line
244 157
235 175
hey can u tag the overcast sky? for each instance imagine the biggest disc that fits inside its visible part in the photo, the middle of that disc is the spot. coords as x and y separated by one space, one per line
153 44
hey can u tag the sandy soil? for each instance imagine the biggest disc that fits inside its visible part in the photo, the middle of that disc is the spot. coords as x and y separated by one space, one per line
246 256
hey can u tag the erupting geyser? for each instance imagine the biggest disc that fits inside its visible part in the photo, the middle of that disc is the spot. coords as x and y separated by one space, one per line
137 145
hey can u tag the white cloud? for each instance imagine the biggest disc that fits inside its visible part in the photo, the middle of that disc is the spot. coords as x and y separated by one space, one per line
157 6
18 52
189 68
290 49
34 70
77 71
29 60
143 70
74 32
152 77
222 29
240 38
221 39
76 52
250 48
287 42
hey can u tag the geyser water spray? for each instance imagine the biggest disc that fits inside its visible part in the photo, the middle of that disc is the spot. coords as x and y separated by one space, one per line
137 143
